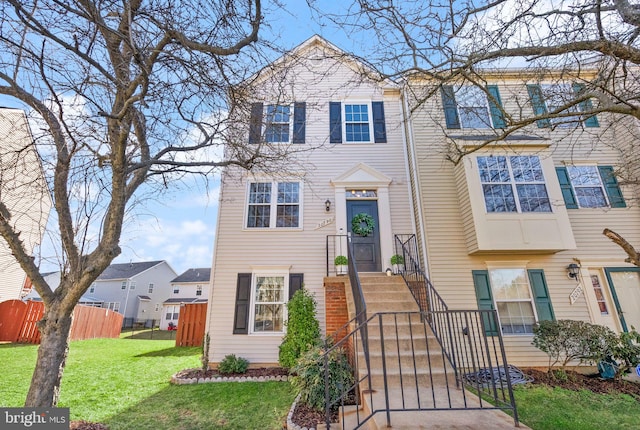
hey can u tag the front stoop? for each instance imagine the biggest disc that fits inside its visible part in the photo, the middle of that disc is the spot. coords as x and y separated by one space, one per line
390 294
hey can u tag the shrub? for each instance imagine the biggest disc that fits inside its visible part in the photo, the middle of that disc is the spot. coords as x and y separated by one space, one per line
232 364
310 379
340 260
303 329
567 340
627 351
397 259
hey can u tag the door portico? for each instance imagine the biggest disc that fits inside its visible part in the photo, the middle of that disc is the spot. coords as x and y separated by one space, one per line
364 177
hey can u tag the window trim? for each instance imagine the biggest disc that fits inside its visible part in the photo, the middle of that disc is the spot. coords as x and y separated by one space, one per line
343 112
271 272
607 203
266 123
513 184
273 204
150 288
199 290
487 106
531 300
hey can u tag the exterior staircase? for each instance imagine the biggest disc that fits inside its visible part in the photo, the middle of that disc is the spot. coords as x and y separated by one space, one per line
420 381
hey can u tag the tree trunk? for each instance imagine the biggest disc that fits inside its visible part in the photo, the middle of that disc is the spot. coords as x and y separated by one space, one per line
55 327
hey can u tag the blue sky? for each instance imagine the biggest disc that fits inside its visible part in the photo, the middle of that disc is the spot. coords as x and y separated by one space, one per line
179 226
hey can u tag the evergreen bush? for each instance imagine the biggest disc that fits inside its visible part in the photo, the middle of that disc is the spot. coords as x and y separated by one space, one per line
303 329
232 364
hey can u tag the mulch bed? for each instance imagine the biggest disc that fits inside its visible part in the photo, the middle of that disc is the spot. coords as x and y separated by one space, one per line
304 416
576 381
254 373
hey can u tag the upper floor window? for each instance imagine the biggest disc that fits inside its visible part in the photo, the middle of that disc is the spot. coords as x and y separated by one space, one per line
124 285
273 205
357 122
132 286
92 289
552 98
275 123
513 184
468 106
176 289
198 290
150 287
585 186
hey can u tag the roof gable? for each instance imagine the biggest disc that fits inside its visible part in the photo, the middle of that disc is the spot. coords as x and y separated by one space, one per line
361 174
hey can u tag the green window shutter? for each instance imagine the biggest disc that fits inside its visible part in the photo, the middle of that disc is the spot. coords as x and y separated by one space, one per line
299 117
585 106
537 101
255 124
567 191
295 283
335 122
243 301
485 301
495 107
611 185
379 128
449 105
541 295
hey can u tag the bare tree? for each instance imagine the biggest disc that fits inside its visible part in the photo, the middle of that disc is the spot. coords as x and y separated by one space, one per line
127 97
592 43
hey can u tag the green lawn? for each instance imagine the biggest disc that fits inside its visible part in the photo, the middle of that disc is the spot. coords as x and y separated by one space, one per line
546 408
124 384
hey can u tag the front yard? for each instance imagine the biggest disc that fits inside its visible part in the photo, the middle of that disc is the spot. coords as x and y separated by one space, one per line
124 384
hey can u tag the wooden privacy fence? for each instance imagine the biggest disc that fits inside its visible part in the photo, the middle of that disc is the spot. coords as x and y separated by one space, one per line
18 322
191 324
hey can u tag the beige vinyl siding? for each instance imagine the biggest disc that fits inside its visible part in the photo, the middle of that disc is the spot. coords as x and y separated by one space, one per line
238 249
446 210
24 192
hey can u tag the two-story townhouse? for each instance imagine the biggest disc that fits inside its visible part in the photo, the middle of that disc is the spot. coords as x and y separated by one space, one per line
273 229
192 286
516 225
24 194
136 290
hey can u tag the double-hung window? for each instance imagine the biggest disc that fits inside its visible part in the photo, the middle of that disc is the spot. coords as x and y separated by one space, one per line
589 186
269 300
468 106
560 99
198 290
513 184
520 296
357 122
277 123
274 205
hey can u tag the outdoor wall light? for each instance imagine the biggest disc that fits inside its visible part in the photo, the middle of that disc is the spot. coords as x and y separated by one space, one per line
573 270
327 205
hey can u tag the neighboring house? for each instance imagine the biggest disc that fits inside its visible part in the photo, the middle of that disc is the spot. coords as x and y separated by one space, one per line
272 230
136 290
191 286
24 192
53 280
501 228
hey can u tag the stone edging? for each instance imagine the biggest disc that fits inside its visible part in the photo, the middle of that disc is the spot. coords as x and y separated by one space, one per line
290 424
183 381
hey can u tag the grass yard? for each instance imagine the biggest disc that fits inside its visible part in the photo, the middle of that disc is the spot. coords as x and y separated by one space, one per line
124 383
546 408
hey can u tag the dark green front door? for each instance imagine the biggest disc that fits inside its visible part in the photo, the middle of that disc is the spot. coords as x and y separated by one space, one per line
366 248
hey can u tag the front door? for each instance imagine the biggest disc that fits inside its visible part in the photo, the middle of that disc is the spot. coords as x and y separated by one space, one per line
366 247
625 288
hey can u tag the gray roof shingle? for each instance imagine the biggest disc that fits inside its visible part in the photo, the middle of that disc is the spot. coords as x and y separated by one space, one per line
126 270
202 274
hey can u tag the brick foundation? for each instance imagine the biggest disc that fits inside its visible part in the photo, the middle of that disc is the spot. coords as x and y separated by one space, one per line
336 312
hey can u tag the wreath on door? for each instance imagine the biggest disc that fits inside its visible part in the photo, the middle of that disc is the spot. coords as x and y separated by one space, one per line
362 224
